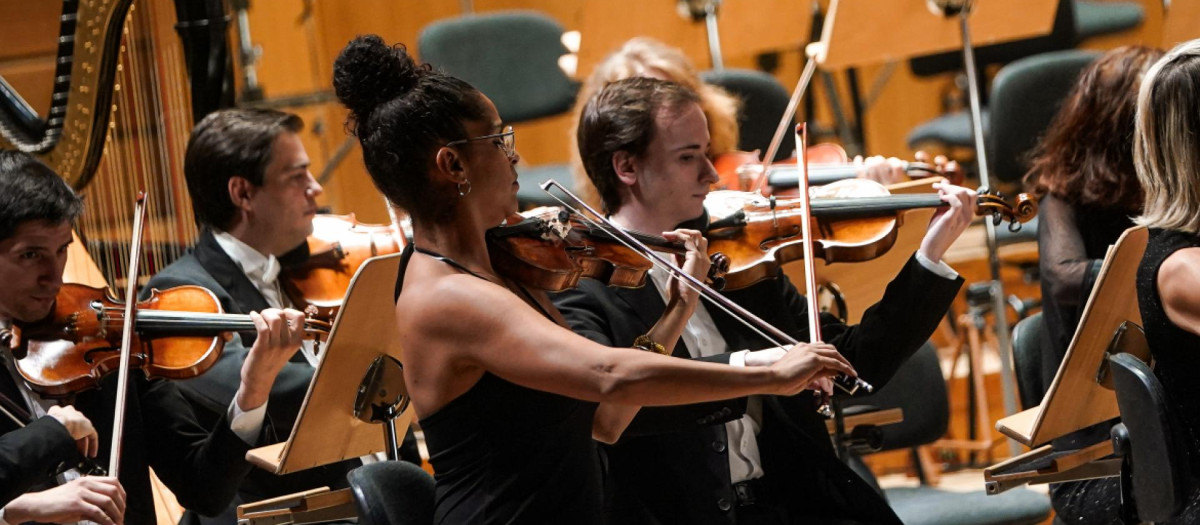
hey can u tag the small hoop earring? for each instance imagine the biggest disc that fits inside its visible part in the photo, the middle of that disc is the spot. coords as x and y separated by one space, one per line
462 193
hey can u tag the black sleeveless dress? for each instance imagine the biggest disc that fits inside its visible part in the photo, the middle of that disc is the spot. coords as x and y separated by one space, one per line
503 453
1177 364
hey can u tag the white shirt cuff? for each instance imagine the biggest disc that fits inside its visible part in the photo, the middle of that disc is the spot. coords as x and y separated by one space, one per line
940 268
246 424
738 358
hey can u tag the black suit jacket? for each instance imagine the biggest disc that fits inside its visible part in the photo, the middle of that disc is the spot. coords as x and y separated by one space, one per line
31 455
211 393
201 467
672 465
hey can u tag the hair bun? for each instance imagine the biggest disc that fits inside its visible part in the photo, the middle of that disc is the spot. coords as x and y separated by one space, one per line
368 72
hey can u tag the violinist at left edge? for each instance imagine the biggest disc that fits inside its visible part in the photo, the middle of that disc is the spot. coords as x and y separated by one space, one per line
762 459
201 465
248 178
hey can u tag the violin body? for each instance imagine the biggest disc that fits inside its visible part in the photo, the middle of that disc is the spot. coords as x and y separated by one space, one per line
338 245
853 220
548 249
80 341
770 234
828 163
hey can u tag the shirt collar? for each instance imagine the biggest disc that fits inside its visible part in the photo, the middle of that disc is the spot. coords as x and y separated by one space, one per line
258 268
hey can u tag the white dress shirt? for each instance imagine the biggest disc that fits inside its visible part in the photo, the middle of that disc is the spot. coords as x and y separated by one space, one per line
263 272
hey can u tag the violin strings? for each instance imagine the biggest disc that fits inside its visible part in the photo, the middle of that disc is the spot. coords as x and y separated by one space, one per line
714 298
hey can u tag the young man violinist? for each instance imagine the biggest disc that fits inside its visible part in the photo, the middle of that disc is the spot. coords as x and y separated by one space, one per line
201 464
644 144
253 195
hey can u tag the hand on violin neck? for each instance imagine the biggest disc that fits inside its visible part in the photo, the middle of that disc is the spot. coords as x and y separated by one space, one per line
950 222
280 334
694 262
80 428
885 171
806 363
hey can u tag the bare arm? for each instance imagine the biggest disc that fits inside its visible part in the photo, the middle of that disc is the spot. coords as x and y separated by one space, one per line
460 322
1179 287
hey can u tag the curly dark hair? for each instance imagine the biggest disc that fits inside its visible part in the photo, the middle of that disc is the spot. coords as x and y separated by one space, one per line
31 191
402 112
620 117
1085 157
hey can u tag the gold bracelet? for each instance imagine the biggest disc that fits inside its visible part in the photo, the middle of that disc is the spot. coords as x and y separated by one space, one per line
644 342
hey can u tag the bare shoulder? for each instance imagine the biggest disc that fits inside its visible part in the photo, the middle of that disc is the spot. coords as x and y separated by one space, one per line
1179 288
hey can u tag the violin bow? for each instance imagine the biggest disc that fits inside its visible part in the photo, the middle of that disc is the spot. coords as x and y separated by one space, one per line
139 221
825 406
755 323
810 68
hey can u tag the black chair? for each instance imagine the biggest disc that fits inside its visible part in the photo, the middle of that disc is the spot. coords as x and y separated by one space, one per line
1026 95
1030 359
392 493
920 390
764 100
512 57
1075 21
1155 477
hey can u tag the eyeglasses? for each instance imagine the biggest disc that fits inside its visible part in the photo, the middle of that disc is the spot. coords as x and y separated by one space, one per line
507 144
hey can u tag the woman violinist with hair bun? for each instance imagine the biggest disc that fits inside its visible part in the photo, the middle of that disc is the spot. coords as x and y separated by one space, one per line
508 397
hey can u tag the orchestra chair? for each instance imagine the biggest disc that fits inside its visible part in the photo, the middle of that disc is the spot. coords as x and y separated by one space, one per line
512 57
1155 478
764 101
1075 21
392 493
1032 360
920 390
953 129
1026 96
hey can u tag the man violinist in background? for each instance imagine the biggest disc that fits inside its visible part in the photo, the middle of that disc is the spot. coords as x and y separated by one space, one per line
201 464
253 195
644 144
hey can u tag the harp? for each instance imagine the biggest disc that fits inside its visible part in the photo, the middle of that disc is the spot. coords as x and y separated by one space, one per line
119 118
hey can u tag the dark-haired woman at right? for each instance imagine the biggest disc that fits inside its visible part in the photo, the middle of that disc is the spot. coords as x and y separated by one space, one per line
506 394
1082 170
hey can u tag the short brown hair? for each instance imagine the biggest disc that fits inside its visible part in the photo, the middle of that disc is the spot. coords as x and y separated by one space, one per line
620 117
228 143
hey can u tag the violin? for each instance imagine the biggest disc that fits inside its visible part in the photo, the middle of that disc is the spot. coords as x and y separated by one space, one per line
338 245
854 220
551 249
178 334
829 163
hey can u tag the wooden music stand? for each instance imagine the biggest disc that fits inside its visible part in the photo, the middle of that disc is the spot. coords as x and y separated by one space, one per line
1076 399
864 32
327 429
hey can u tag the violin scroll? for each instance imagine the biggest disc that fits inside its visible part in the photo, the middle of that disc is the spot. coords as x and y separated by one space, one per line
993 203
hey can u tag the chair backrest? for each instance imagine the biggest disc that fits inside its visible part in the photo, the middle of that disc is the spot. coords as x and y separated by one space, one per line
1026 95
1028 353
1061 36
764 100
1161 480
920 390
512 57
392 493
